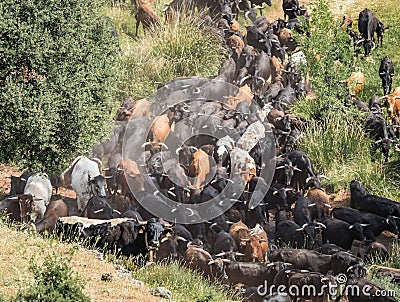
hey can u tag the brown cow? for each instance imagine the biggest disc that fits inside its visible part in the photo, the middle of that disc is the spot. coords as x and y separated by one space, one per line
393 102
129 168
257 245
140 108
346 23
146 15
241 234
244 95
196 258
236 44
55 210
355 83
276 69
199 168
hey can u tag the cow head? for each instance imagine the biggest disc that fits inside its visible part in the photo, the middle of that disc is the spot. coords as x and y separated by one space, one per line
254 248
153 229
26 206
356 230
97 185
99 208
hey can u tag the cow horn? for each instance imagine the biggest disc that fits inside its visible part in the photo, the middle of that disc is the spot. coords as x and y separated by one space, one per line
374 45
261 79
289 189
280 167
211 262
321 224
350 268
325 177
378 141
191 212
312 205
142 222
121 169
298 230
275 192
164 239
146 144
297 169
181 238
177 150
364 224
98 211
220 254
359 41
327 205
108 177
13 198
106 169
239 254
8 176
226 260
246 14
155 192
244 79
308 179
132 175
116 211
270 264
171 193
245 239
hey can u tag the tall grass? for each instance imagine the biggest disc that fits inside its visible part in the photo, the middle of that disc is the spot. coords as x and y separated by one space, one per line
185 46
184 283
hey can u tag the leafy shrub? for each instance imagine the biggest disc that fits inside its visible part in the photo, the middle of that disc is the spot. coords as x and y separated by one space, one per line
53 281
57 80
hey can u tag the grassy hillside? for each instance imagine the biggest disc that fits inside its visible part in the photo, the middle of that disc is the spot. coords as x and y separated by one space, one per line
337 142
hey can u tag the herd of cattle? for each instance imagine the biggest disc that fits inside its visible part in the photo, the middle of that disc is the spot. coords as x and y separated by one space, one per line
283 234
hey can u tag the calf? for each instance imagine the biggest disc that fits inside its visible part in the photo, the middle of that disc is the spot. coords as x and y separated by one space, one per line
386 73
55 210
355 83
36 197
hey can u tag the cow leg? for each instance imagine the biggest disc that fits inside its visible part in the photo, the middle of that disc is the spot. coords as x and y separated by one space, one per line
78 201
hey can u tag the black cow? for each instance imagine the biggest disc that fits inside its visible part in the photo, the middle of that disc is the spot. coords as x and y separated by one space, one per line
296 236
256 38
374 224
303 259
386 73
346 263
98 208
377 127
291 9
367 25
363 201
340 232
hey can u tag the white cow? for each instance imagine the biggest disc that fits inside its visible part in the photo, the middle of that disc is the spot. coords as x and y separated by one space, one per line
36 197
86 180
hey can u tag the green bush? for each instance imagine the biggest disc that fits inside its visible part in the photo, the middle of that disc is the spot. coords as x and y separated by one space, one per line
329 61
53 281
57 80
